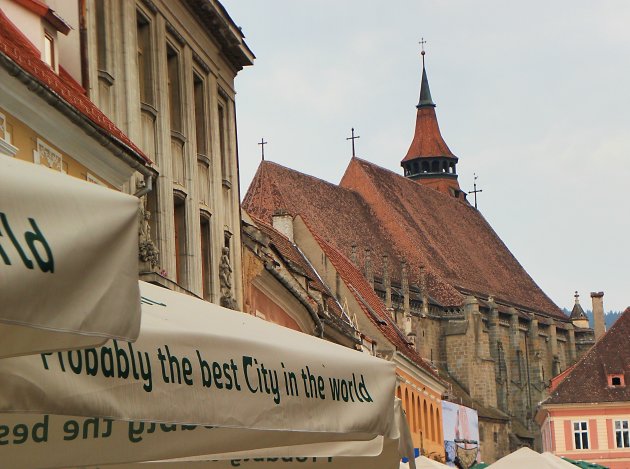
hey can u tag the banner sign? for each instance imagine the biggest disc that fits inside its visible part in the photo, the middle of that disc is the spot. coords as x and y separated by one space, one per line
461 432
62 441
196 363
68 261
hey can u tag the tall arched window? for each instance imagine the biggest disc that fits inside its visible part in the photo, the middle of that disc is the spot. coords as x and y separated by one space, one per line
419 413
426 418
432 417
407 406
438 424
413 411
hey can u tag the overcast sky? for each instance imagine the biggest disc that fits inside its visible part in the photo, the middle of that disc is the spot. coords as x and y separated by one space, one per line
532 96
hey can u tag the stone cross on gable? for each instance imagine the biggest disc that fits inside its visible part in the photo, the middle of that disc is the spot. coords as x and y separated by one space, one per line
262 144
353 138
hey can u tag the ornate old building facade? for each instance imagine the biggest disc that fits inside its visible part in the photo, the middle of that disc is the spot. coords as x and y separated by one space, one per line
151 83
164 72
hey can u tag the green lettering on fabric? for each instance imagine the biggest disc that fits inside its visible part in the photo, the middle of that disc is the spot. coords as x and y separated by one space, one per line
35 241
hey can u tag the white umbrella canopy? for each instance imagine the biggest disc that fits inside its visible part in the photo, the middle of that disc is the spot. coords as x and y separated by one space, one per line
199 380
378 453
387 458
68 261
525 458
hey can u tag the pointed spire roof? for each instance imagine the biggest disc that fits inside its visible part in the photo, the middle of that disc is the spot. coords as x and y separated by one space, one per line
577 312
427 140
425 92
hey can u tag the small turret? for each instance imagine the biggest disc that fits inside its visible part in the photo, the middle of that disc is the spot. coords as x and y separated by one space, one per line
578 316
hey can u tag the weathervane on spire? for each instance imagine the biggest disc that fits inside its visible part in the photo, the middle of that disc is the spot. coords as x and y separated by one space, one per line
422 43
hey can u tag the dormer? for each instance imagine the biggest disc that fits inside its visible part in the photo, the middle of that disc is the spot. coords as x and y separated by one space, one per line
40 25
616 380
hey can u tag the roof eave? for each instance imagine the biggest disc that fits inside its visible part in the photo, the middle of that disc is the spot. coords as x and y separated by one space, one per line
216 19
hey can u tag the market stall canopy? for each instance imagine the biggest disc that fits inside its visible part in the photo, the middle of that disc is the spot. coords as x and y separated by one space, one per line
199 369
387 459
68 261
561 463
525 458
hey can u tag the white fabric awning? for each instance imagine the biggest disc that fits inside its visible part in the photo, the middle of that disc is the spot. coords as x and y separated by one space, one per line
526 458
199 380
68 261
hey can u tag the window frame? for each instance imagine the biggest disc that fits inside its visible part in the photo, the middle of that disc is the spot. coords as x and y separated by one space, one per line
581 440
619 433
49 40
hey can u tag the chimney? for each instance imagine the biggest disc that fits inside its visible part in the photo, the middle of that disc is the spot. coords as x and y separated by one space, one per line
598 314
283 223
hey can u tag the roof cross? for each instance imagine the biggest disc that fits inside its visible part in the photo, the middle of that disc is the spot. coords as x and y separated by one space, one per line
262 144
422 43
353 138
475 191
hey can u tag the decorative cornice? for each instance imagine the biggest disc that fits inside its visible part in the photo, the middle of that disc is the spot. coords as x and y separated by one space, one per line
170 29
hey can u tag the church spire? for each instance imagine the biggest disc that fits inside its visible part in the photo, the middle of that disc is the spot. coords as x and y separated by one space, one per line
425 92
429 160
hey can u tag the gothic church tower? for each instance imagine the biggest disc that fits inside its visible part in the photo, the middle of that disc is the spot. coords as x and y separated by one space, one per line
429 161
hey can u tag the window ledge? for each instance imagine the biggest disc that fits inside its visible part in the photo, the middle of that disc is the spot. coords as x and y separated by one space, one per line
7 149
227 183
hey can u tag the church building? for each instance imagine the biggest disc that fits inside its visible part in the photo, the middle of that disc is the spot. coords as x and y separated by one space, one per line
448 281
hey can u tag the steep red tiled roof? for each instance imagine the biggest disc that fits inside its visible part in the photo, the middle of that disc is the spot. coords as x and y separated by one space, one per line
18 50
427 139
392 215
372 305
588 380
450 236
340 217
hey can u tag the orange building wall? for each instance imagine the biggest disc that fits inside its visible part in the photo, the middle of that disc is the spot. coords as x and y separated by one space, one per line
263 306
602 442
423 408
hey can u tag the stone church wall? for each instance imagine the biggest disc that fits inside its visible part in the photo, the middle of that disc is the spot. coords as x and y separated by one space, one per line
494 442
